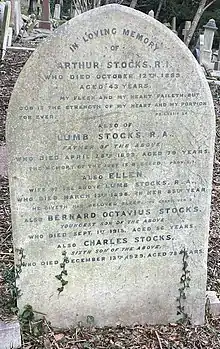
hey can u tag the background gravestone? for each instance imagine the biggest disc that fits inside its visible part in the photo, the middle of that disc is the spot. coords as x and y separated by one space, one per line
111 148
2 7
4 32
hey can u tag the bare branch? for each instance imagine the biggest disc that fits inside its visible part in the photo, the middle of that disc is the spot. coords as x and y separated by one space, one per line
207 6
202 7
195 21
159 9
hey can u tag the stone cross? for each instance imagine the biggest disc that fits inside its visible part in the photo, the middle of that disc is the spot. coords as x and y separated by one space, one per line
186 29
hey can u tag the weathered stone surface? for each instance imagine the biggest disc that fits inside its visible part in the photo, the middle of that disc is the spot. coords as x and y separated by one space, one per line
10 336
110 136
3 161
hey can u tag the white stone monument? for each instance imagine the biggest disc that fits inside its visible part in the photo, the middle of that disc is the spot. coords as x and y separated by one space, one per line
57 12
151 13
18 18
206 50
110 168
186 30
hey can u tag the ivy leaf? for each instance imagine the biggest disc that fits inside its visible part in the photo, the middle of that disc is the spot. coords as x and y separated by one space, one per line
59 277
90 320
64 282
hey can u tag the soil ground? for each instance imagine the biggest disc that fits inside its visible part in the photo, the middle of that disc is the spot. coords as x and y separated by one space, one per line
37 335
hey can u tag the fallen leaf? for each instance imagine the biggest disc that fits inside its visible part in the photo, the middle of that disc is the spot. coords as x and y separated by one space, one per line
58 336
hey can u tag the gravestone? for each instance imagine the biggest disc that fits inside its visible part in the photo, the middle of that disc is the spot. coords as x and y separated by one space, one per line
2 7
12 15
186 29
45 23
110 165
57 10
206 50
5 29
18 18
151 13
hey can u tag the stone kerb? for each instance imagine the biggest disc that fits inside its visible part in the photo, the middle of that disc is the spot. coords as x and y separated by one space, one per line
10 336
110 173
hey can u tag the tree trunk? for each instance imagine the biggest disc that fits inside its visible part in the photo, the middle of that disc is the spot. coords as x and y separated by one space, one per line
202 7
159 8
31 7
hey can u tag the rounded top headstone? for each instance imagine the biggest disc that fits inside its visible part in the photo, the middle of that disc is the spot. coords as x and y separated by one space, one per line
110 169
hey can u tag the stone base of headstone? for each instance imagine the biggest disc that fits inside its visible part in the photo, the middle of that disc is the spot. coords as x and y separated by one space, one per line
208 65
213 303
217 65
206 55
216 73
45 25
10 336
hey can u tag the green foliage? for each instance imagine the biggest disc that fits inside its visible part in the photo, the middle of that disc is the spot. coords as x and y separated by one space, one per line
183 10
62 273
9 301
29 324
52 6
90 320
11 293
184 285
